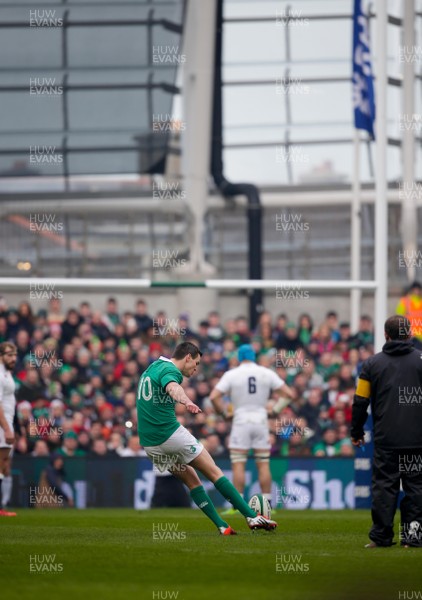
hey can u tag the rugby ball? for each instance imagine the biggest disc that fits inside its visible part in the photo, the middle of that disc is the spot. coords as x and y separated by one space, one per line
260 505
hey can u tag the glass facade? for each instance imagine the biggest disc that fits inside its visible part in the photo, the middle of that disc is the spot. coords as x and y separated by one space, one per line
287 92
87 87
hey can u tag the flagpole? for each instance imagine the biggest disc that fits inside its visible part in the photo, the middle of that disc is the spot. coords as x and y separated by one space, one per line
364 115
381 221
409 220
355 236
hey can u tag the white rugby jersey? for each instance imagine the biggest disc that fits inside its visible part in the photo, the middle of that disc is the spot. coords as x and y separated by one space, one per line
249 386
7 393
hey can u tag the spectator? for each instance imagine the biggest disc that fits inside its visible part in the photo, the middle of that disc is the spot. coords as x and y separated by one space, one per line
100 450
264 337
52 491
215 330
290 340
112 315
202 334
70 326
324 339
32 387
54 315
3 329
4 309
345 333
305 328
12 324
40 448
328 446
242 335
133 448
26 318
85 312
70 445
115 443
56 410
365 335
143 320
331 320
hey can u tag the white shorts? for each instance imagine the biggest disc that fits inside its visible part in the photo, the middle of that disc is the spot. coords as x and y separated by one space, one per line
250 435
179 449
2 436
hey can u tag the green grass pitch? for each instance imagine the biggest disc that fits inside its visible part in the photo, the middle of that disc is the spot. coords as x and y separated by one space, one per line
112 554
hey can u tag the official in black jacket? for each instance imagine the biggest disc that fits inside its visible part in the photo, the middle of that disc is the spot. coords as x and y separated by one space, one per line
391 381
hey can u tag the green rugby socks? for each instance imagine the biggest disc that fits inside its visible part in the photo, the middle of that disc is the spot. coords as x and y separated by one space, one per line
231 494
204 502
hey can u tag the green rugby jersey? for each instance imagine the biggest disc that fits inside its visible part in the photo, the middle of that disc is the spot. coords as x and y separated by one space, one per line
156 414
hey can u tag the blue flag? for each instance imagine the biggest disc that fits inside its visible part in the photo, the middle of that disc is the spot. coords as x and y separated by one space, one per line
363 84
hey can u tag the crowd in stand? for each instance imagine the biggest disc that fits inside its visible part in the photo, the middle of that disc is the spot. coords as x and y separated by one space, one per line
77 375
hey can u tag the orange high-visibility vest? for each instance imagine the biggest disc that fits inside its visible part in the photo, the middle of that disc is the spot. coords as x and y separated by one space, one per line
414 314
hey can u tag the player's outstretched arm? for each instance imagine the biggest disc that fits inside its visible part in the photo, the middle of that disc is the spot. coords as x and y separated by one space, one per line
176 392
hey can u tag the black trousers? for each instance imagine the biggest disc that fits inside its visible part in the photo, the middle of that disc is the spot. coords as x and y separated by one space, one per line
169 492
390 466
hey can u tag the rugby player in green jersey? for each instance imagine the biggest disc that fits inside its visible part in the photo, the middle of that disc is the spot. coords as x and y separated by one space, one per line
171 447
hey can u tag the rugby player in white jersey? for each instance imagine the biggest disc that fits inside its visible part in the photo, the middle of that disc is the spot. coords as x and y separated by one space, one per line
8 356
249 386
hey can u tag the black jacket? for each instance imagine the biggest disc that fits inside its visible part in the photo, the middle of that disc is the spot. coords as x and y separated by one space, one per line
395 393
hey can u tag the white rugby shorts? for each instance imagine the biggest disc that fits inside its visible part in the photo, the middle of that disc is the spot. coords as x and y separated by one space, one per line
179 449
